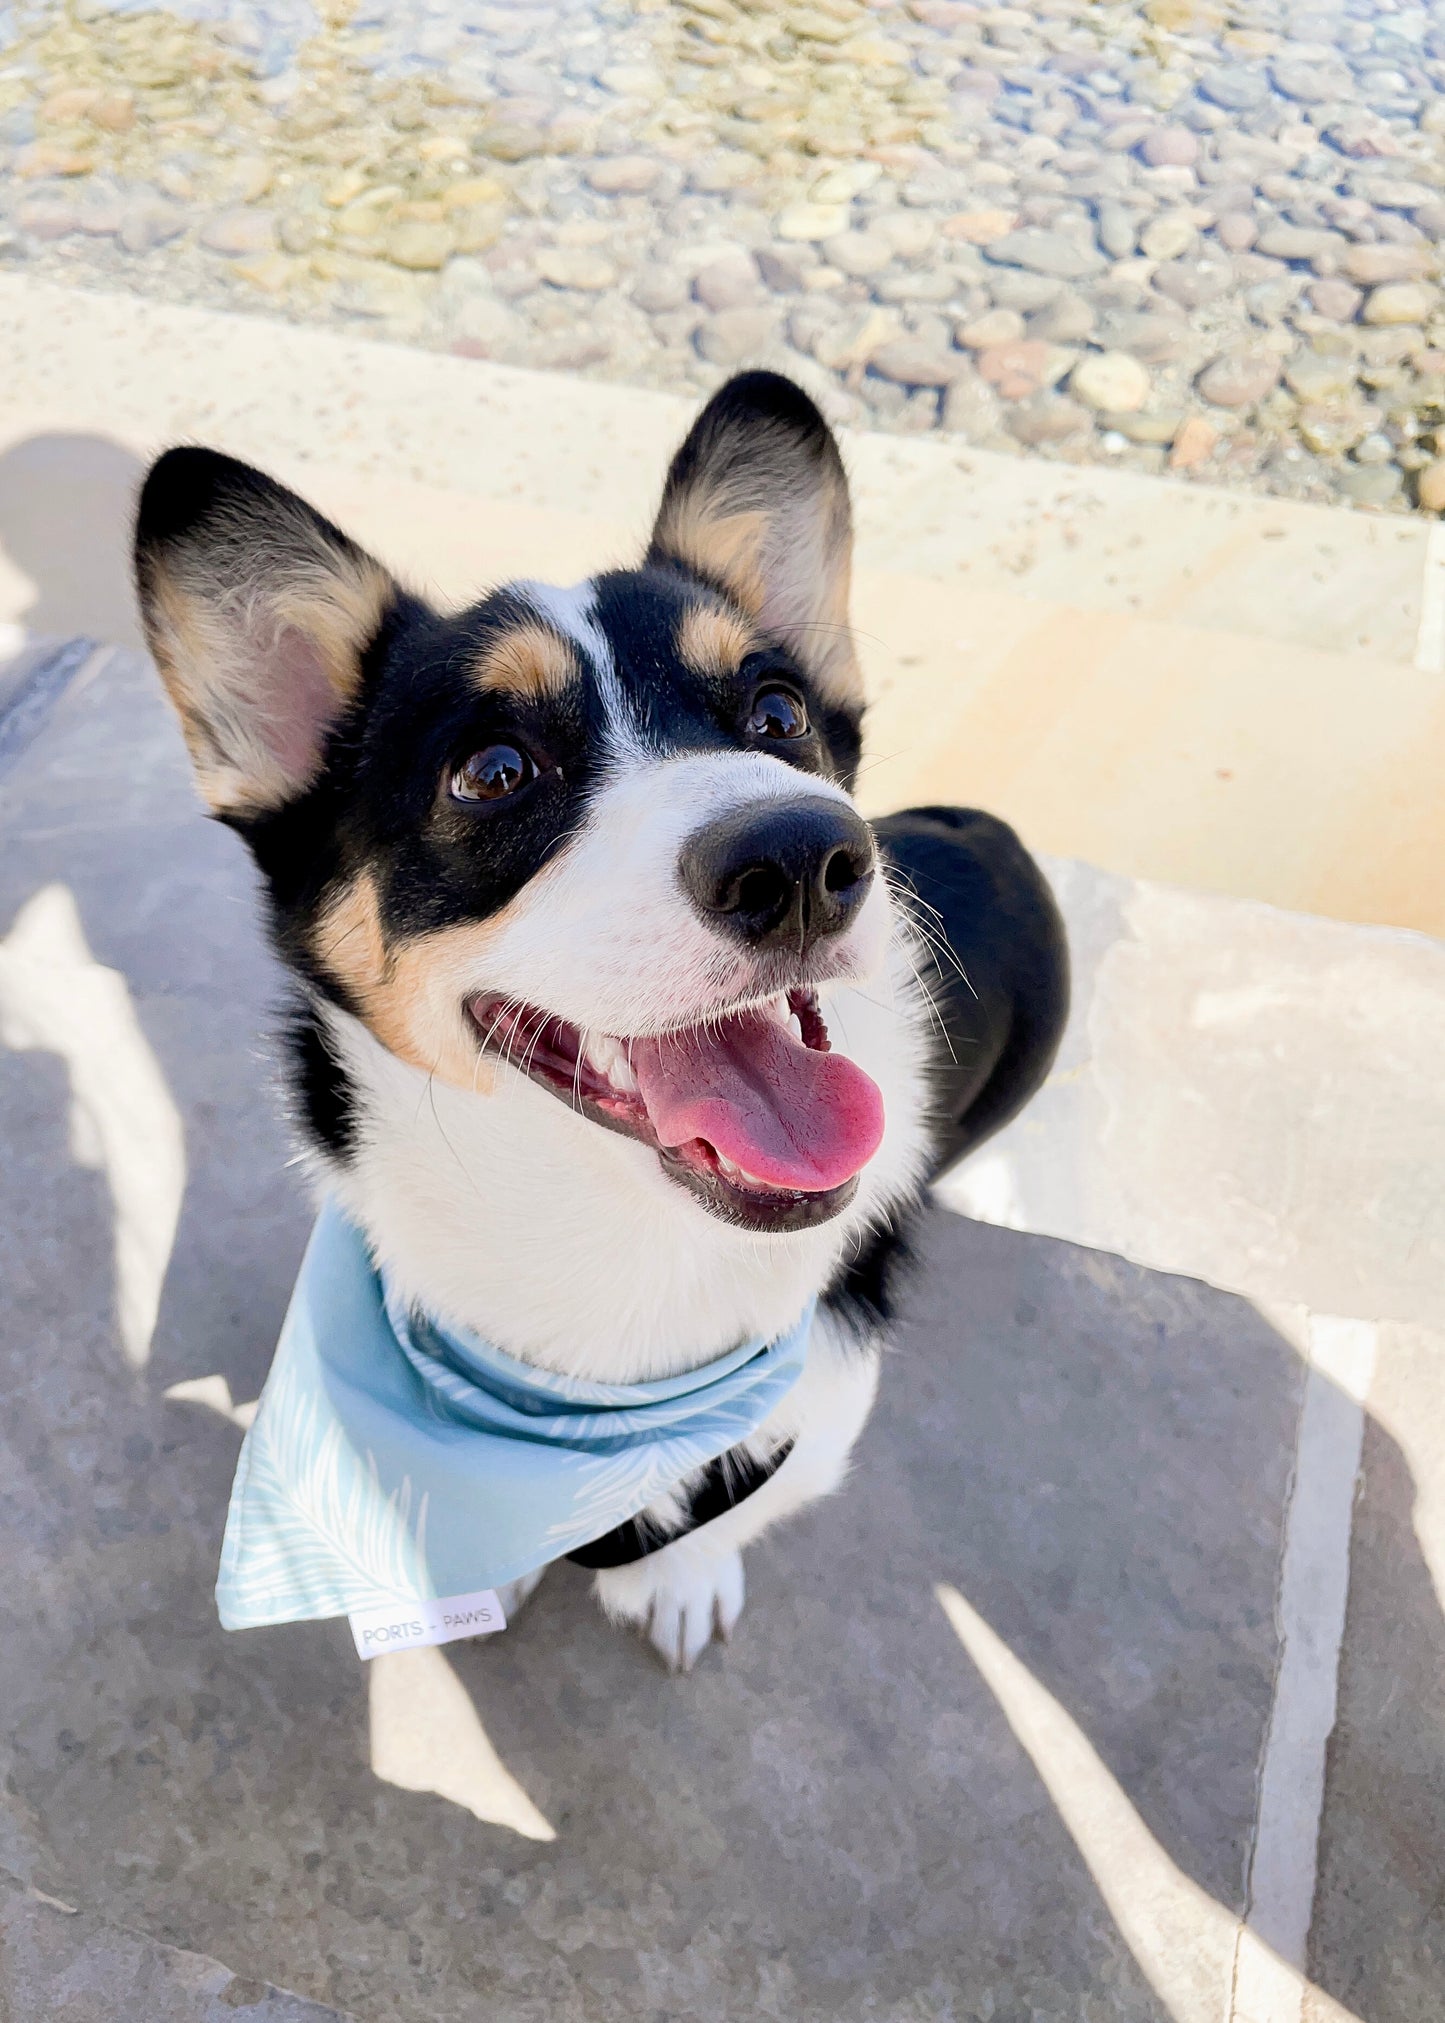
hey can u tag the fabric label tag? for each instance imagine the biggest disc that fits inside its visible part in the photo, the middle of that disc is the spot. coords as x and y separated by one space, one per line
406 1626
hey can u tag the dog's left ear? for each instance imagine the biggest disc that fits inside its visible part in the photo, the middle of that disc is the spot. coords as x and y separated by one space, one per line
258 613
756 502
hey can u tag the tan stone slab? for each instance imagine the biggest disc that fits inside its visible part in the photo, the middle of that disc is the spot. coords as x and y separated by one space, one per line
149 372
1244 1095
1173 682
1152 547
1213 759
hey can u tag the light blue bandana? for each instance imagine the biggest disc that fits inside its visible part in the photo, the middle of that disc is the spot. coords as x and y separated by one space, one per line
392 1459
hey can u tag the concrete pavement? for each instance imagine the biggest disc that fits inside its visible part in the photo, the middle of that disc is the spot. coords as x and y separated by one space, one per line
1109 1689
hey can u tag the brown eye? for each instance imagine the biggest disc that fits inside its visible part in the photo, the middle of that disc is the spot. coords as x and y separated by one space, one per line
492 774
778 713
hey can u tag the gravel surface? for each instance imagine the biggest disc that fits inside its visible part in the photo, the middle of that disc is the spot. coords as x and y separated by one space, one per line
1177 235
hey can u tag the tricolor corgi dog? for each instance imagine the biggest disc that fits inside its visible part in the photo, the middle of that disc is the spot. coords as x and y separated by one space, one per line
618 1031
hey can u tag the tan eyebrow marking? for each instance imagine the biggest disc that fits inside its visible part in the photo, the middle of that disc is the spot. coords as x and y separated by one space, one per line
528 660
712 641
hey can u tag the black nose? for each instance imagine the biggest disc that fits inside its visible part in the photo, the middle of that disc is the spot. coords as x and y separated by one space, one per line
780 874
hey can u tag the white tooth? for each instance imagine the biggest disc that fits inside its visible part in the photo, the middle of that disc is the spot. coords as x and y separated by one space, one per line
730 1170
608 1056
600 1050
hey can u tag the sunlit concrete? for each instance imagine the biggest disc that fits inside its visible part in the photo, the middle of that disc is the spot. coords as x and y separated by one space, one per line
1243 1093
426 1735
123 1120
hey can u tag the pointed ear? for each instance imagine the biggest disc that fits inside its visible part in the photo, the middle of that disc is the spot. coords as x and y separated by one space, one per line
258 612
756 501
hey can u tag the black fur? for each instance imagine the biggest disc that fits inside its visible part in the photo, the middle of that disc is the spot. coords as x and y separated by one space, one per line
998 973
725 1483
867 1291
323 1089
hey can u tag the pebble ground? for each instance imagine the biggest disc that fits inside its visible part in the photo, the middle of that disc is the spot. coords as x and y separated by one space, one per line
1178 234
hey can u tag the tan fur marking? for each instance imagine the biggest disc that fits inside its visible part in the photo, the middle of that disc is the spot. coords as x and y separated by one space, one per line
208 642
714 642
728 547
790 569
178 644
411 995
341 607
528 660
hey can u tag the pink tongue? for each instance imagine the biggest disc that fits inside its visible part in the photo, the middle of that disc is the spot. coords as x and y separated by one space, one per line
790 1115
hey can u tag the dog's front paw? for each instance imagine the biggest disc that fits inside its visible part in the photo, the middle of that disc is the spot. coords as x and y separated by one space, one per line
679 1604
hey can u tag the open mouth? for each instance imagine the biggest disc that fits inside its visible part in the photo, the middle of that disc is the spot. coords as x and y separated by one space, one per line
751 1110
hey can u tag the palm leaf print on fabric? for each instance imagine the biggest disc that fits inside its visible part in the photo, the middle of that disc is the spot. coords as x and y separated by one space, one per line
331 1536
370 1403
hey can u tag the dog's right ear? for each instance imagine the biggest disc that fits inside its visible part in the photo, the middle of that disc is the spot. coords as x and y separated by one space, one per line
258 613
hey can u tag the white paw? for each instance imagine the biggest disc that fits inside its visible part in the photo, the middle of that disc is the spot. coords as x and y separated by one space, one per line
513 1594
679 1607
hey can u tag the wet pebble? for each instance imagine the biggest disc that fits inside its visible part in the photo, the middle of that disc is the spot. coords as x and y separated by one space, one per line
1111 382
1168 236
913 361
1170 147
660 288
1400 302
1372 484
859 254
730 282
238 232
995 326
1239 379
1056 255
1047 418
812 221
1235 88
980 228
1016 369
737 336
576 267
1371 265
421 245
623 175
1237 231
1336 299
1006 223
1194 444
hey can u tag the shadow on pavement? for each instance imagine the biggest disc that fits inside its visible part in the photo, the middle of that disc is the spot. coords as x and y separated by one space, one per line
66 506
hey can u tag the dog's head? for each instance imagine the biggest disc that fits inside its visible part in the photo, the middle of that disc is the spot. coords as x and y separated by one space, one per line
598 841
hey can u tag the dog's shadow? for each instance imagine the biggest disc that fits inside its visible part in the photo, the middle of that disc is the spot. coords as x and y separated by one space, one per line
835 1817
66 500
